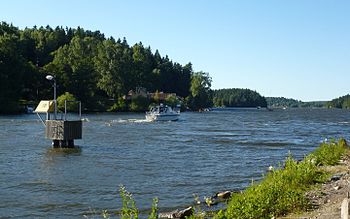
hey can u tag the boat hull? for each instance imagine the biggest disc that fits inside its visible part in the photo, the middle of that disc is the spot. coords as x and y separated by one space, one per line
162 117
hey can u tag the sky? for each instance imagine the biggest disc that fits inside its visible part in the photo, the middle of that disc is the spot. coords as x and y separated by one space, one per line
292 48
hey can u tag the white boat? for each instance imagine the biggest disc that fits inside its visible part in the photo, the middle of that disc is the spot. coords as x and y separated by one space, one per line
162 113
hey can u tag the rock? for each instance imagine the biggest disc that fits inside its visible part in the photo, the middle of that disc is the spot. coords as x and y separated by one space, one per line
177 214
270 169
224 195
336 177
218 197
337 187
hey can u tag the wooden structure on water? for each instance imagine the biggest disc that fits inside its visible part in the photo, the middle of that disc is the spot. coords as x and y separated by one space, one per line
61 131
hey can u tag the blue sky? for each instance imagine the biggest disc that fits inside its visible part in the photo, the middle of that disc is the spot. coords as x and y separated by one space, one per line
297 49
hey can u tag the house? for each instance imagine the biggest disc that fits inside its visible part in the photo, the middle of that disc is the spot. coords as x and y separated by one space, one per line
140 91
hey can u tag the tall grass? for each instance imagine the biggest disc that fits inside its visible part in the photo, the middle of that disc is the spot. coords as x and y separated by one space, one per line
282 191
129 209
329 153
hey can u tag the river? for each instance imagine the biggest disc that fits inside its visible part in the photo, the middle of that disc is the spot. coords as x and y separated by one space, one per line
202 153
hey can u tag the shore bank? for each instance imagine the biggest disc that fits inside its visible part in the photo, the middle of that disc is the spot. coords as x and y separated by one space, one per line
285 189
327 199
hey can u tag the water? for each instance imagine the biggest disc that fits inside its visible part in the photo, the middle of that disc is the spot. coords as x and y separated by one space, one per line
203 153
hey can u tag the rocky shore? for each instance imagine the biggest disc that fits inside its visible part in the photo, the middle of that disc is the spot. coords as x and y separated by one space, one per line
327 199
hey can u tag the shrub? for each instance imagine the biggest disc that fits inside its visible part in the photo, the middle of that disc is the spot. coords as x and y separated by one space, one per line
119 106
129 209
71 106
139 104
329 153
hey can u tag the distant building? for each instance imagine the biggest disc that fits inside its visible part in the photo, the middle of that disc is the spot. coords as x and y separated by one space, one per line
140 91
161 96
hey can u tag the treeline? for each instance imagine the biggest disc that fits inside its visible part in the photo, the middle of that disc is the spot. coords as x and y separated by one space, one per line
94 69
99 71
280 102
237 97
340 102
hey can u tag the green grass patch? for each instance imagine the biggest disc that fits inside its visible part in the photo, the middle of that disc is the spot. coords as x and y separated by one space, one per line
282 190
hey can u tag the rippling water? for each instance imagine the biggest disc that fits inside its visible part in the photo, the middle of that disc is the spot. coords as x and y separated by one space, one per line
202 153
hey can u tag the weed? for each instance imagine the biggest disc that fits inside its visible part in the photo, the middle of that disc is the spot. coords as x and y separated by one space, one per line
282 190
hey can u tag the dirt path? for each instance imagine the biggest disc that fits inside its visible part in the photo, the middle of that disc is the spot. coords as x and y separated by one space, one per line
327 199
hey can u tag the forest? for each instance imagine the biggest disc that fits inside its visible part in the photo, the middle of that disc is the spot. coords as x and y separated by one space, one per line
282 102
98 71
236 97
342 102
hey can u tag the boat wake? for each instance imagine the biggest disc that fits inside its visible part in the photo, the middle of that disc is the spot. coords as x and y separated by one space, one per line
119 121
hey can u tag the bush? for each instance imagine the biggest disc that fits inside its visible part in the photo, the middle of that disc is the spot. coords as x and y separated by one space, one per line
119 106
329 153
129 209
139 104
71 106
172 101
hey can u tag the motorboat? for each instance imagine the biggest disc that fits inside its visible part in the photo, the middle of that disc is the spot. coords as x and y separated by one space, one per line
162 113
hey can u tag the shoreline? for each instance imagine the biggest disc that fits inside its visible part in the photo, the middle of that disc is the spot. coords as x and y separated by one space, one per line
327 198
324 196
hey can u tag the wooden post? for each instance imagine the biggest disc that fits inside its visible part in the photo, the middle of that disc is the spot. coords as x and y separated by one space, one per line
345 209
344 214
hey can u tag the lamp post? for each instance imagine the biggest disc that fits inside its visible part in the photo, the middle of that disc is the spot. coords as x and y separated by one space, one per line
52 78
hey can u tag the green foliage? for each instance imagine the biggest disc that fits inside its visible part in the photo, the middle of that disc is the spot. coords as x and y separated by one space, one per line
238 98
12 71
172 101
113 63
340 102
71 105
73 67
329 153
85 64
119 106
154 210
200 92
279 102
139 104
282 190
129 210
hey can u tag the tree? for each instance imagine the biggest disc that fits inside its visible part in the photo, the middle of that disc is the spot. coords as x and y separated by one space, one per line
113 64
340 102
71 104
200 91
139 104
236 97
94 69
12 68
74 69
142 66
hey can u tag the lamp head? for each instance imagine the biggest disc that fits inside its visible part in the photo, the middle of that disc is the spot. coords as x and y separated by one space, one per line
49 77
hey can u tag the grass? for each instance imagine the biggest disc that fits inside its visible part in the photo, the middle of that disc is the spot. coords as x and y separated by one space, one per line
282 191
129 209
